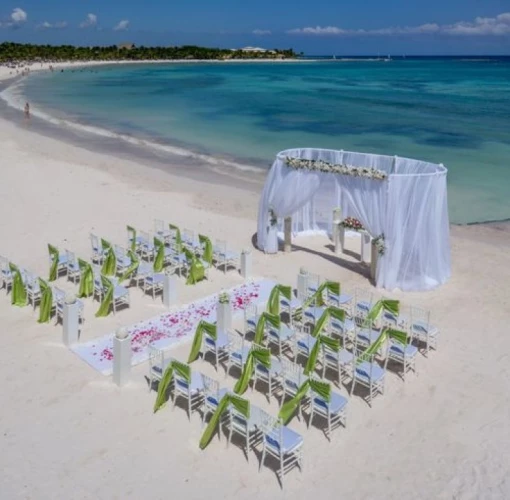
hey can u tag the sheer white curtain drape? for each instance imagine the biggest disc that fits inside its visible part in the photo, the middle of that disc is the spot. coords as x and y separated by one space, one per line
409 207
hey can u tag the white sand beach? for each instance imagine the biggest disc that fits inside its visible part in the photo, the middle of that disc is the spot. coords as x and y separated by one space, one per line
69 432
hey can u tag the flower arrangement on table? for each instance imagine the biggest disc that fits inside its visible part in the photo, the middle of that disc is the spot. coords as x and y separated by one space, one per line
224 298
379 243
332 168
352 224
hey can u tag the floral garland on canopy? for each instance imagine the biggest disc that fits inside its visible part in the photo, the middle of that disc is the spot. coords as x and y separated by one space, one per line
331 168
352 224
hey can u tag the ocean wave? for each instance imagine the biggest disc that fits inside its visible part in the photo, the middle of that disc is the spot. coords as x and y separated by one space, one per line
14 97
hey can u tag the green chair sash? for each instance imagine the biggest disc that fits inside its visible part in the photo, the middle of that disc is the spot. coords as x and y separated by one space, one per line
178 238
46 304
174 367
391 306
273 303
240 404
132 237
86 279
196 268
259 354
208 248
104 308
133 267
110 263
159 260
18 291
54 255
323 389
265 317
203 327
317 298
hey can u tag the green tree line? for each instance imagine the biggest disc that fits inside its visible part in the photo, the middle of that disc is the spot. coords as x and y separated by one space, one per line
12 52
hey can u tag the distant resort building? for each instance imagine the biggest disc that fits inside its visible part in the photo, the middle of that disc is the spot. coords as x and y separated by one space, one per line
255 49
126 46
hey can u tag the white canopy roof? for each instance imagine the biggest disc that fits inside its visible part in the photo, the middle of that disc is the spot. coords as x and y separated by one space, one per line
402 199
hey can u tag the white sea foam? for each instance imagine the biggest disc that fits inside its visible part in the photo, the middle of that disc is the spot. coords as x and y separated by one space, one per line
14 97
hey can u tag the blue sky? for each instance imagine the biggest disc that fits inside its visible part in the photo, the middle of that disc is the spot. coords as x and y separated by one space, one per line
349 27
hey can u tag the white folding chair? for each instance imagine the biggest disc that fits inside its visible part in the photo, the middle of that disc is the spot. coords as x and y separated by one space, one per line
192 392
5 273
238 353
251 318
73 268
161 230
422 331
123 261
292 379
224 257
282 443
333 411
188 238
219 347
146 246
272 375
33 289
157 365
246 427
98 252
212 397
313 283
362 304
153 283
368 373
404 354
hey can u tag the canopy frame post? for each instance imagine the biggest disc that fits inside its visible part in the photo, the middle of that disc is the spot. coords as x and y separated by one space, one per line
287 231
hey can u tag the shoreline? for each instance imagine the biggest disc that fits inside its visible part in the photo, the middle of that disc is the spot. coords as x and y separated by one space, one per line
172 157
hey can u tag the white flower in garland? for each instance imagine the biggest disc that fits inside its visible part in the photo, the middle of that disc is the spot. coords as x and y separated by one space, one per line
326 167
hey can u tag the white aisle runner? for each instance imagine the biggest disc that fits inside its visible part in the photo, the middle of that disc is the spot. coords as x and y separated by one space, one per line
170 329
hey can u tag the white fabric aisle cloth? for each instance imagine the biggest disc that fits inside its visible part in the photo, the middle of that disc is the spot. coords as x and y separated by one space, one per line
409 207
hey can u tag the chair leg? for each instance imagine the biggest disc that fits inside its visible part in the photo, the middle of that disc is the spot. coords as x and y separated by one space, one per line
262 458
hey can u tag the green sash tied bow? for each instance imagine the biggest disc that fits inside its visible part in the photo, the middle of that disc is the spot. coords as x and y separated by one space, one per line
46 302
133 267
86 279
264 319
259 354
178 238
110 263
208 248
159 260
54 255
109 288
323 389
203 327
132 237
18 291
273 303
196 268
182 370
240 404
391 306
317 298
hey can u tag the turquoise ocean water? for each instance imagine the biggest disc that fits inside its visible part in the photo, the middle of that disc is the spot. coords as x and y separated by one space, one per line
450 111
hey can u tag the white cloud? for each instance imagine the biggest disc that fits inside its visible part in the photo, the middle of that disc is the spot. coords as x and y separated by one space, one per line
18 15
90 21
261 32
58 25
481 26
122 26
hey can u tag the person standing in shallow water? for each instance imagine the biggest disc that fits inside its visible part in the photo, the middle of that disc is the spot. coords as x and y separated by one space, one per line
27 110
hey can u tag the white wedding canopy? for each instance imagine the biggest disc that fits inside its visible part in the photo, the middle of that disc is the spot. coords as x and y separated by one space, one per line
409 207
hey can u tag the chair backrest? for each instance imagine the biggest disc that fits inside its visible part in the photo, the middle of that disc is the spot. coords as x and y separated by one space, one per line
211 387
145 237
292 374
220 246
363 301
120 253
159 226
31 281
188 235
156 357
236 342
312 283
272 428
59 296
95 242
250 311
96 270
420 318
71 257
4 263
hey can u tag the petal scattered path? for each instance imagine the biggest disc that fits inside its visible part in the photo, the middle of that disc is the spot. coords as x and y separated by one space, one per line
169 329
